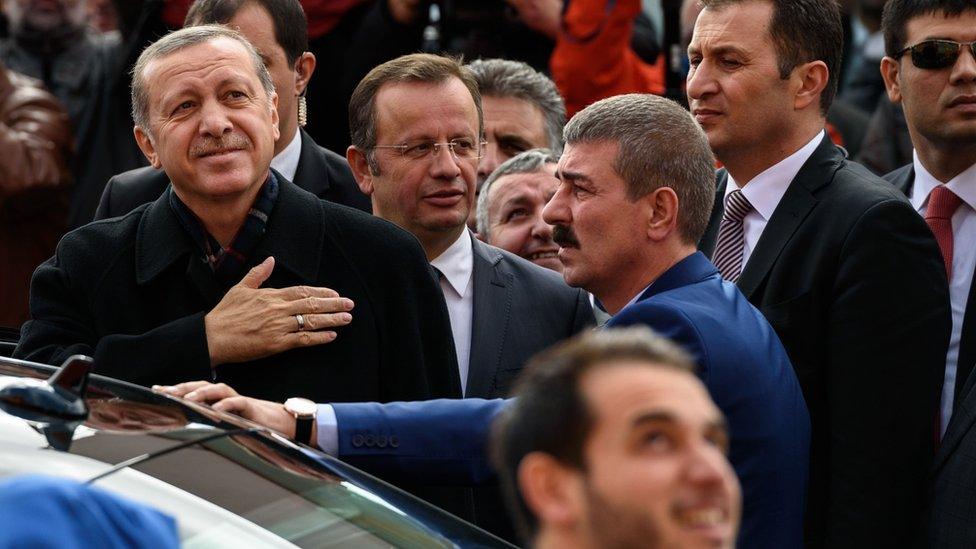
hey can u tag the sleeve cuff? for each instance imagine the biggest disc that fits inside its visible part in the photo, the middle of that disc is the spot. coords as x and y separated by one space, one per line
327 430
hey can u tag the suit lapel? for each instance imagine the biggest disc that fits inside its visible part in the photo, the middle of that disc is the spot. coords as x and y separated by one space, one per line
708 240
491 310
792 210
312 173
960 424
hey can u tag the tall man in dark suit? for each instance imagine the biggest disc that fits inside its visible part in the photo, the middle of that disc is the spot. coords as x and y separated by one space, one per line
277 28
211 281
844 269
417 128
930 69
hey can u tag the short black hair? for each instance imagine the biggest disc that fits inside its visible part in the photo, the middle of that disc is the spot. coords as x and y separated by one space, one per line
803 31
550 413
897 13
288 17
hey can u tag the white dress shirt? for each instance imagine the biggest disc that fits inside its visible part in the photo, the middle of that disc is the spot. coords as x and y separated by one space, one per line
456 265
286 162
766 190
963 261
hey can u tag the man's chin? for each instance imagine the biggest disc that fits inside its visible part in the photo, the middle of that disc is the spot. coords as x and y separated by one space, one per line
551 263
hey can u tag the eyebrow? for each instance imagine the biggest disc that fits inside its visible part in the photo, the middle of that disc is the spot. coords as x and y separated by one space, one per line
719 50
572 176
667 417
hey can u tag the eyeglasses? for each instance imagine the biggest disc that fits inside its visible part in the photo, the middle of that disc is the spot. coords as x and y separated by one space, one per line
937 54
462 148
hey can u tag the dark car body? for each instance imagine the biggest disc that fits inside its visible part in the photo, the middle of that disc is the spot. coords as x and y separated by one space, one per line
227 482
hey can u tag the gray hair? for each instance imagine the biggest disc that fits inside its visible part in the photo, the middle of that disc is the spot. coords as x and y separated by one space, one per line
178 41
506 78
660 145
530 161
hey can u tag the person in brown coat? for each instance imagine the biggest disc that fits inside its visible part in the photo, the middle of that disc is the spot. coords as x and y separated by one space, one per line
35 137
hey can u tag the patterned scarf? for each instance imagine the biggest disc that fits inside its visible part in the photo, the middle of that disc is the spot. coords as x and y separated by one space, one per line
228 263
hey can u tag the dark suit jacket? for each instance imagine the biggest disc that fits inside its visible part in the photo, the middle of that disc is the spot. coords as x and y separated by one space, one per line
949 514
853 282
751 380
320 172
519 309
132 292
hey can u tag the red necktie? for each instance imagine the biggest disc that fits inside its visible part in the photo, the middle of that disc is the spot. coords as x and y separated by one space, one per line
938 215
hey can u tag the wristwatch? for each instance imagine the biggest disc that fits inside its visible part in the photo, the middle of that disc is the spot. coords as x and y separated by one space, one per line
304 411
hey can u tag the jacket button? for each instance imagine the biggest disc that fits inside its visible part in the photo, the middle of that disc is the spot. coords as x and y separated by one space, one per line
381 441
394 442
357 441
370 441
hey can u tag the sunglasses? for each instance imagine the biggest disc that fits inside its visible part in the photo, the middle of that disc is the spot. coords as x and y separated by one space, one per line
937 54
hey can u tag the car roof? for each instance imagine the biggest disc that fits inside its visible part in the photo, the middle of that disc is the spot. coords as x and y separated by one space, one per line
176 455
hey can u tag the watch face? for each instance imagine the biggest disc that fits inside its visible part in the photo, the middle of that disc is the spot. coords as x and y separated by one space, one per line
302 407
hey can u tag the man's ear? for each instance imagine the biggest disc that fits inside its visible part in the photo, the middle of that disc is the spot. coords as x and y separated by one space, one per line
890 70
360 169
812 79
304 67
663 218
274 116
146 146
552 491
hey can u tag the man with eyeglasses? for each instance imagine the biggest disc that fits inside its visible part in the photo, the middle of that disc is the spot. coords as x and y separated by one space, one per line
931 71
417 128
838 261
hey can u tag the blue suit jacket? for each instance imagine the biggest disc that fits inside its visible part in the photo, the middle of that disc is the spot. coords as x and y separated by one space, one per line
740 360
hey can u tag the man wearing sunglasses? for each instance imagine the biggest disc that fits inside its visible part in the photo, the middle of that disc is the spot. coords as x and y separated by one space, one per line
931 71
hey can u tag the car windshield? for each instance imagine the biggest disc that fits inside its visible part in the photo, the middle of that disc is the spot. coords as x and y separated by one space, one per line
225 484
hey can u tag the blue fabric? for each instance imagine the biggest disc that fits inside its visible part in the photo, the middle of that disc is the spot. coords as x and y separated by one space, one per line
39 512
750 378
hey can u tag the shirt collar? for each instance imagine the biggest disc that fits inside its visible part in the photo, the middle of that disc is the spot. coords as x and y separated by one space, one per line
286 162
457 263
766 190
963 185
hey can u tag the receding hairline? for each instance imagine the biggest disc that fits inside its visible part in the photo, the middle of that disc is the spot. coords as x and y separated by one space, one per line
147 69
385 87
500 182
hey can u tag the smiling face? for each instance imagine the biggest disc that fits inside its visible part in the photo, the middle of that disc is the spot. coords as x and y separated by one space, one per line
515 216
656 468
212 127
940 104
430 196
597 226
734 85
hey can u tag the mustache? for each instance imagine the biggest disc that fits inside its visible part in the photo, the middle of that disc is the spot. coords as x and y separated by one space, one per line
210 145
564 236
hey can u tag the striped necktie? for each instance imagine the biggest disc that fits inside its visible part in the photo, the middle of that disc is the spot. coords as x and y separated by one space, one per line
731 240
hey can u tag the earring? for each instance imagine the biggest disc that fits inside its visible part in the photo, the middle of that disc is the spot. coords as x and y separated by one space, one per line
302 111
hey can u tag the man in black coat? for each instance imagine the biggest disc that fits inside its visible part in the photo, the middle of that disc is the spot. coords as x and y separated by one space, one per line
234 273
277 28
935 83
837 260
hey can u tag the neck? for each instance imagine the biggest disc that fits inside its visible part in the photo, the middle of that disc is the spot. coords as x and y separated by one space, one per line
221 216
746 162
436 243
551 538
287 131
637 277
945 162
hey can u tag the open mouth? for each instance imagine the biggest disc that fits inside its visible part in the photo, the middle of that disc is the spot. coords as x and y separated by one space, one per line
551 254
707 517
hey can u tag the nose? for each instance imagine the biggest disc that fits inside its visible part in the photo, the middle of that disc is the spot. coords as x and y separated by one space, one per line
707 465
964 71
700 81
489 161
443 165
541 229
557 209
213 120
